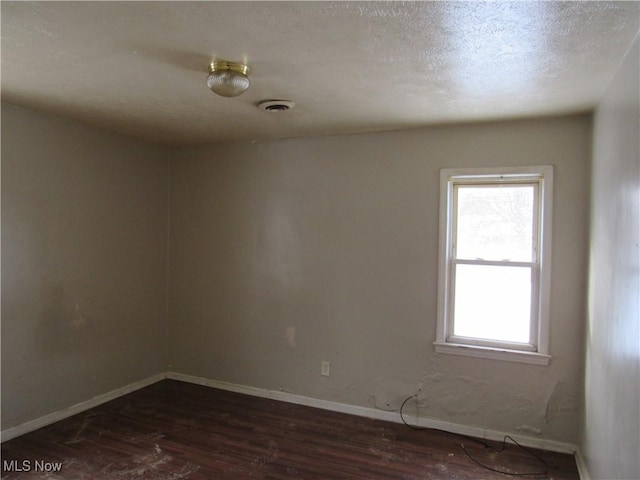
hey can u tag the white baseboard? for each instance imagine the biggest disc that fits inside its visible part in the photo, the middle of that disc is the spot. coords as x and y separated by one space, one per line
477 432
45 420
583 471
368 412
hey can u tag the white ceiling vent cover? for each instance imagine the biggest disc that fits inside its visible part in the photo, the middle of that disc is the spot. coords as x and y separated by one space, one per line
276 105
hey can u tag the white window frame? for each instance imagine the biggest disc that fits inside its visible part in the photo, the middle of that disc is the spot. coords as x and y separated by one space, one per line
537 351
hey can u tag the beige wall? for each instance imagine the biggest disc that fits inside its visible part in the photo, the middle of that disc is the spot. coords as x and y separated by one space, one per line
287 253
282 254
611 426
84 219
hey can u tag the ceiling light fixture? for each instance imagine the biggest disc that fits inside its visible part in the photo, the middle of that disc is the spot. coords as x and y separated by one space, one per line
227 79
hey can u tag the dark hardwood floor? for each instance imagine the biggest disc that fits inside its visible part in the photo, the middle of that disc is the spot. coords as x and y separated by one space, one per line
173 430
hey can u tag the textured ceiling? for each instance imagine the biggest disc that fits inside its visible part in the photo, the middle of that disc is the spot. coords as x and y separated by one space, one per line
140 67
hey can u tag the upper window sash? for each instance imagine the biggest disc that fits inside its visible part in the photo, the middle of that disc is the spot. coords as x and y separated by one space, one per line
487 181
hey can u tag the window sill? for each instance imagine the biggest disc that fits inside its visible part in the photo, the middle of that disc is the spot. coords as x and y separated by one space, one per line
518 356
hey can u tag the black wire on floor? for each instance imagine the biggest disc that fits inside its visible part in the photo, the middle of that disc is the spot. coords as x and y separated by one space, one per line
545 467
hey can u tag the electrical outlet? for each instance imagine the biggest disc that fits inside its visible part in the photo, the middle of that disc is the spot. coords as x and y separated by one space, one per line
325 368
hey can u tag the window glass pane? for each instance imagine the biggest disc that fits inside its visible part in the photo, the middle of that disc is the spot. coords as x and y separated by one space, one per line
495 222
492 303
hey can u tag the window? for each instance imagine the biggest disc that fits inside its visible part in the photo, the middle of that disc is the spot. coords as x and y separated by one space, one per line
495 251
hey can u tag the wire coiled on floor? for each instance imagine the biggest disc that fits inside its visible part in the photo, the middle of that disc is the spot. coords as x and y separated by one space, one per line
543 471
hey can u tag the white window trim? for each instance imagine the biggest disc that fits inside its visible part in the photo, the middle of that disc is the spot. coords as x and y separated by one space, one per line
539 352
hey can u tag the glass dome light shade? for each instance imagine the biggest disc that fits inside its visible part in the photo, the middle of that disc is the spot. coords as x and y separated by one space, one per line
228 79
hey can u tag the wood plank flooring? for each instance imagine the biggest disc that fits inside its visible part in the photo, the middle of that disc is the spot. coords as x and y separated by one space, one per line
173 430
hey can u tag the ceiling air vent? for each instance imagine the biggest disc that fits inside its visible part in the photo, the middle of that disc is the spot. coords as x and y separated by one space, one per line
276 105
